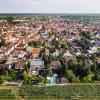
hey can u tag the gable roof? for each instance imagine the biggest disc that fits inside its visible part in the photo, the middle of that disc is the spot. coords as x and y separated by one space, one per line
55 63
37 62
4 66
36 50
20 65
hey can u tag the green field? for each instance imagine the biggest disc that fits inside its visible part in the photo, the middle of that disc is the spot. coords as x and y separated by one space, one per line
58 92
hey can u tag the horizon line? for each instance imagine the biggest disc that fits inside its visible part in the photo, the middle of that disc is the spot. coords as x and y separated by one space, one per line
79 13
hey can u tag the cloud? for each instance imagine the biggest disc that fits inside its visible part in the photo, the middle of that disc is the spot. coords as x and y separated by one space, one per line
49 6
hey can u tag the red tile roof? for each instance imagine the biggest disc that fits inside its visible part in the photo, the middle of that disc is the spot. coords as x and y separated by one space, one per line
36 50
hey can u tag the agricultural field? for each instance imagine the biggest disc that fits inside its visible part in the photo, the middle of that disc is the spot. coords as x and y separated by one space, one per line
73 91
7 94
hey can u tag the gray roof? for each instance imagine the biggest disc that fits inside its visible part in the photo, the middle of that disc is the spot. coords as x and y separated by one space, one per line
36 62
3 66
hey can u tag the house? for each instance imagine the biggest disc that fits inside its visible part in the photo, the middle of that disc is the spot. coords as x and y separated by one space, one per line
98 60
6 50
29 49
70 57
20 65
36 65
3 59
92 49
55 64
4 68
55 52
76 52
44 35
2 50
47 51
67 53
35 52
21 46
63 80
9 49
53 79
21 54
97 35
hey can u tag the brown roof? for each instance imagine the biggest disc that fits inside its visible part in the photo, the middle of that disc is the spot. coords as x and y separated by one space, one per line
36 50
20 65
98 60
55 63
64 80
67 58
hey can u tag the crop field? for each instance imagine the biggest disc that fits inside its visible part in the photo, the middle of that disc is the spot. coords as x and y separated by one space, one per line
64 91
57 92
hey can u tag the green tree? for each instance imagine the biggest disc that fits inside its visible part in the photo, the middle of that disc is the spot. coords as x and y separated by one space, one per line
26 78
97 77
9 19
83 70
56 43
35 43
88 78
85 35
72 65
41 79
71 76
2 42
45 58
65 46
94 67
93 56
2 79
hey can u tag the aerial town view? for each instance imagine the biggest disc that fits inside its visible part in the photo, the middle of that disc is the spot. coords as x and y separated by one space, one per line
49 55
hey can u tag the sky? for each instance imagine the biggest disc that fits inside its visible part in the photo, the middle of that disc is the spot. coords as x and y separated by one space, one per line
49 6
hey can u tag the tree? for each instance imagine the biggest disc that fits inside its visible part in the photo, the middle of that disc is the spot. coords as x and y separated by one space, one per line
26 78
60 70
97 77
26 67
41 79
45 58
72 65
85 43
93 56
56 43
65 46
61 58
2 42
94 67
71 76
83 69
89 78
2 79
35 43
85 35
9 19
13 75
